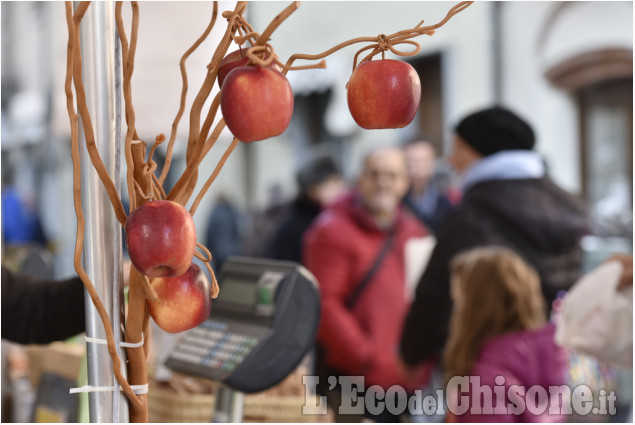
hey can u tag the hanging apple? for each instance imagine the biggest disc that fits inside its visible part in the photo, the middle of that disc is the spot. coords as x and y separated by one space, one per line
161 239
384 94
184 301
234 60
256 102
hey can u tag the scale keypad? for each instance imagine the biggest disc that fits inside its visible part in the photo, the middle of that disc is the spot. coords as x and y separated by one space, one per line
212 345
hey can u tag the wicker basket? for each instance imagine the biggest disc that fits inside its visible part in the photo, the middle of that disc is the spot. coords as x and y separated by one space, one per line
167 405
264 408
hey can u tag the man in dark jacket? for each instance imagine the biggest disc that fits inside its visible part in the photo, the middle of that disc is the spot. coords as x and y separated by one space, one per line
508 201
38 311
319 183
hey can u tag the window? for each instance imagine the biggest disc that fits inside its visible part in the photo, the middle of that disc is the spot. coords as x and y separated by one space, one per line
602 84
606 119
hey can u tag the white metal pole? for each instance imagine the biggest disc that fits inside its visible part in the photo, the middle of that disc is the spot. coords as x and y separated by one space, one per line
102 247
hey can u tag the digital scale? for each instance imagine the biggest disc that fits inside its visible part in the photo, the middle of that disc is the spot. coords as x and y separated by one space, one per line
262 324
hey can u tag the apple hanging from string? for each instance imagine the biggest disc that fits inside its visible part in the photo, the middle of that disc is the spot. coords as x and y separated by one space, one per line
383 94
256 102
233 60
161 239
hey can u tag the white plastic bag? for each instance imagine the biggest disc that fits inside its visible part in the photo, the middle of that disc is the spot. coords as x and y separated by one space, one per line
597 318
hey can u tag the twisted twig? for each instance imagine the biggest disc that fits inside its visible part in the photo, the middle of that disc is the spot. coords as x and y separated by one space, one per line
72 51
213 176
382 40
179 114
127 55
206 259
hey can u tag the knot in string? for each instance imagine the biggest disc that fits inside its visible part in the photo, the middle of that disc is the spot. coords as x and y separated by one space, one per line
385 43
262 55
382 43
240 29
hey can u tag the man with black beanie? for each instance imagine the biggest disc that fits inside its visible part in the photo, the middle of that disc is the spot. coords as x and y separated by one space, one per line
507 201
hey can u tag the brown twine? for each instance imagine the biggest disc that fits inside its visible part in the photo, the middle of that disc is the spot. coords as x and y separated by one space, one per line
206 259
157 141
262 53
157 185
382 42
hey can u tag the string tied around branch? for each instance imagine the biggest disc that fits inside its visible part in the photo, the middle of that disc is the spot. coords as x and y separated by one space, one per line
239 28
387 43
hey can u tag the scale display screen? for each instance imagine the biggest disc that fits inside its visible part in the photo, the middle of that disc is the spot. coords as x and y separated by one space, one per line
236 291
251 295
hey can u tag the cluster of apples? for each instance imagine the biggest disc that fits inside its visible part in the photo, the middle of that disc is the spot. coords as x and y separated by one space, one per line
257 102
161 240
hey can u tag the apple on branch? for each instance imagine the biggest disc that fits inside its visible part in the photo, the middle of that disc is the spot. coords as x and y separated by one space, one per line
256 102
161 239
184 301
384 94
233 60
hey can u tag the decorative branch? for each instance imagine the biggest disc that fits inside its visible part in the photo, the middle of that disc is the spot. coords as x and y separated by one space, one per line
144 185
211 179
179 114
72 50
201 97
127 55
384 42
87 124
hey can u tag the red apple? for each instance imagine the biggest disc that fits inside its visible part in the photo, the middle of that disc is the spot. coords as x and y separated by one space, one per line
234 60
384 94
161 239
257 103
184 301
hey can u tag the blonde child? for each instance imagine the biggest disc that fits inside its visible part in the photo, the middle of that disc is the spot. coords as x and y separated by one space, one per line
500 337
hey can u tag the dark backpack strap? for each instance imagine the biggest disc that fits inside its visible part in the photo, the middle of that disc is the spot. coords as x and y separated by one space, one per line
359 289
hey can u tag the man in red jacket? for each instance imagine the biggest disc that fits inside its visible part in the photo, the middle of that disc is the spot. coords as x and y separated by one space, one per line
340 248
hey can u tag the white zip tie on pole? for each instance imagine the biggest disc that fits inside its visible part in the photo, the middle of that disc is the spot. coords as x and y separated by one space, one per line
137 389
121 344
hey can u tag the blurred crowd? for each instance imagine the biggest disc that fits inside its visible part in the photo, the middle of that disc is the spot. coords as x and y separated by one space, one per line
492 293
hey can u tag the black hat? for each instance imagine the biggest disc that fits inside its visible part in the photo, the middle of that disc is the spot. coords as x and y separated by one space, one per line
495 129
317 171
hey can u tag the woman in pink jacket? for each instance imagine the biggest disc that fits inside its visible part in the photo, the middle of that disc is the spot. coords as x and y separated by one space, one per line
500 338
